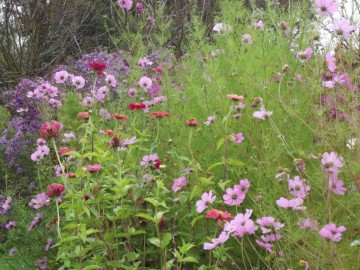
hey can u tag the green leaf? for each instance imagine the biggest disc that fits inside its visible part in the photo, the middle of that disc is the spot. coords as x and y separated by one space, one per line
220 143
155 202
186 247
80 172
196 219
155 241
189 259
166 239
196 190
212 166
142 215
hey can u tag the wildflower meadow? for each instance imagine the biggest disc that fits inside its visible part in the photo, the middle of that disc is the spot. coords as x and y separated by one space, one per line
235 145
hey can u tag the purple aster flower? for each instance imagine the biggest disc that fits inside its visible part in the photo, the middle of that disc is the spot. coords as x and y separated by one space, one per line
178 184
331 232
42 263
206 198
4 205
48 244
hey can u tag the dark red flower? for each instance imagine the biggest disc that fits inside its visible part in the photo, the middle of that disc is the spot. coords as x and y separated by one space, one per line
156 164
119 116
163 223
160 114
115 142
50 130
83 115
55 190
98 67
137 106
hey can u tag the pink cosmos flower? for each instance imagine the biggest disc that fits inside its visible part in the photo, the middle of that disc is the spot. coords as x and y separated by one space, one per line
223 237
271 237
151 20
206 198
298 188
330 62
145 83
210 119
88 102
236 138
37 155
243 186
247 39
267 246
178 184
304 56
335 185
61 76
110 79
342 27
241 224
221 28
125 4
293 204
233 196
308 224
331 232
259 24
331 162
144 62
269 224
78 82
262 114
40 200
12 251
124 145
132 92
326 7
149 161
48 244
10 225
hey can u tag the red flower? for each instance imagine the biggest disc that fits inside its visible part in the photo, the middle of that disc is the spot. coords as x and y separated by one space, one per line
119 116
98 67
115 142
83 115
160 114
62 151
138 106
55 190
219 215
109 132
71 175
156 165
192 122
50 130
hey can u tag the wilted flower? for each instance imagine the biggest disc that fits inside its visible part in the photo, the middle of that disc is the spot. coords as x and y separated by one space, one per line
304 56
192 122
119 116
247 39
308 224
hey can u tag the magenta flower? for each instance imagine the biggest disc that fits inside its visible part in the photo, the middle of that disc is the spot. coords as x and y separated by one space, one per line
335 185
331 232
342 27
308 224
304 56
233 196
293 204
206 198
241 224
145 83
223 237
331 162
40 200
269 224
236 138
125 4
247 39
140 7
262 114
243 186
48 244
266 246
297 187
178 184
326 7
259 24
330 62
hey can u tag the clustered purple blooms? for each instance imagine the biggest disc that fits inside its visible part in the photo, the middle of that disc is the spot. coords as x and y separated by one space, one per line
269 226
34 222
331 232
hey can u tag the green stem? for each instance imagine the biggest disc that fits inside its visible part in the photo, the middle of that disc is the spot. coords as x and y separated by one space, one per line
58 218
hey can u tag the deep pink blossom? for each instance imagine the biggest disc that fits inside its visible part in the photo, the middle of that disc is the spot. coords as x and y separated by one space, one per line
125 4
93 168
140 7
331 232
